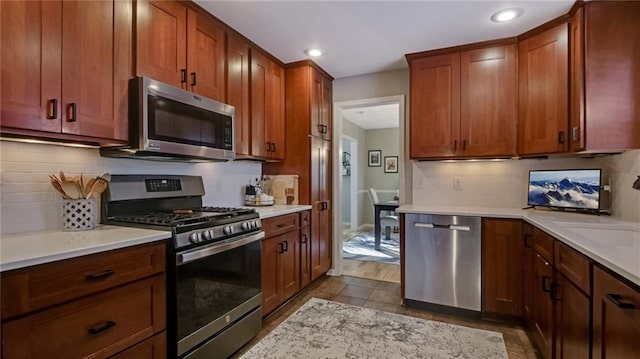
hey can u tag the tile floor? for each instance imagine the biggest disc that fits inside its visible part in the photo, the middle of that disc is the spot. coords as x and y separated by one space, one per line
385 296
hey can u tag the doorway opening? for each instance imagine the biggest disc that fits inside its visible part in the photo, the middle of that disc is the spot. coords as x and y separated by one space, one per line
369 138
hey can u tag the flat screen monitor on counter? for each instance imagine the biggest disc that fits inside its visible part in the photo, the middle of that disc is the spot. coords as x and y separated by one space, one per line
565 189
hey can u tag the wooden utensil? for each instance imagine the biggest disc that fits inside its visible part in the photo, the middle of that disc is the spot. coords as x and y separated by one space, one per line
88 186
71 189
58 187
98 187
62 177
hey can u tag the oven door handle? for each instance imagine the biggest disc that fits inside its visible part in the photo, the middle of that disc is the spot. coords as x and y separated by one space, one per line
190 256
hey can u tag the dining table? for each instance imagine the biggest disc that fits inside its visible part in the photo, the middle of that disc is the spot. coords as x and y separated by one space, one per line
377 209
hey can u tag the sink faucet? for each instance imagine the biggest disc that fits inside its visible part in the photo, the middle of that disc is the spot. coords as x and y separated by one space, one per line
636 184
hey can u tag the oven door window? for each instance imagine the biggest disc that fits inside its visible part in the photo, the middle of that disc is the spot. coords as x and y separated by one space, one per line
175 122
210 287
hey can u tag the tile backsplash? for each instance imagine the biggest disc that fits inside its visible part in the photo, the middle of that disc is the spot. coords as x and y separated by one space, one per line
503 184
28 202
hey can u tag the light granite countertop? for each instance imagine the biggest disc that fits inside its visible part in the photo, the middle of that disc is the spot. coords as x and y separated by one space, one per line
611 242
280 209
32 248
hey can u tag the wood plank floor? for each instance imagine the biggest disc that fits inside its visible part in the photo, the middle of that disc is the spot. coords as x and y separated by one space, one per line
371 270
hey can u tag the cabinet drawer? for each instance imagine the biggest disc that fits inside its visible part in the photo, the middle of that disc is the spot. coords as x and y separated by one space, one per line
573 265
37 287
305 218
152 348
281 224
543 244
99 326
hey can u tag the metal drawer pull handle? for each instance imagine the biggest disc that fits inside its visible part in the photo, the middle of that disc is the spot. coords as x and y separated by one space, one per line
106 273
72 116
544 283
575 133
53 113
280 225
303 241
193 79
102 328
286 246
619 302
453 227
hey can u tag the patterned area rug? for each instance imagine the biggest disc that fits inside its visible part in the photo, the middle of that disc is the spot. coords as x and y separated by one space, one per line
362 248
326 329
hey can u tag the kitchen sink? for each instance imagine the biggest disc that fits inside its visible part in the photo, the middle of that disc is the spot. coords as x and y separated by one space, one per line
615 235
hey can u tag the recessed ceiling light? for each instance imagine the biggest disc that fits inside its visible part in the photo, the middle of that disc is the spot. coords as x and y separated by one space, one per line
313 52
507 14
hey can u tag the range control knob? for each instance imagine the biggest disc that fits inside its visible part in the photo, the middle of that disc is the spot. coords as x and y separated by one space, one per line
246 226
195 237
255 224
228 230
208 235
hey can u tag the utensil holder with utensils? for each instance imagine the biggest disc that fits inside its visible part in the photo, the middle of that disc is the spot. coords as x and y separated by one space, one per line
79 214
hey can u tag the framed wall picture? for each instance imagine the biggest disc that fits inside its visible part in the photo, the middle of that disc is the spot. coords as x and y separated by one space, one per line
375 158
390 164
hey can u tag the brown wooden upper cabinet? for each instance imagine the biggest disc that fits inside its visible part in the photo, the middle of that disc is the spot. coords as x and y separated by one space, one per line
65 67
543 65
238 80
463 103
180 47
606 115
321 104
267 108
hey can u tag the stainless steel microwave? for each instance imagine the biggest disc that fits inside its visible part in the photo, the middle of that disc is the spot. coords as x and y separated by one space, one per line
169 123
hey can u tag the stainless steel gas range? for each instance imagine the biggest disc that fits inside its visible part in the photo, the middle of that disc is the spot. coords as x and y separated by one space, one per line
213 261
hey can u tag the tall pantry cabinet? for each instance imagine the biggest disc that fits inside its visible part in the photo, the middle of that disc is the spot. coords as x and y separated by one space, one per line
308 113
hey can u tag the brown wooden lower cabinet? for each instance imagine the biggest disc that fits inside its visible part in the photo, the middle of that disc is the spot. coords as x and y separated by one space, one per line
280 260
616 318
502 265
527 275
542 306
95 326
571 319
305 252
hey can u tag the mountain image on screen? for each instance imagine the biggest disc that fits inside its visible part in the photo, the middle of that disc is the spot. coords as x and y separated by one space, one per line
575 189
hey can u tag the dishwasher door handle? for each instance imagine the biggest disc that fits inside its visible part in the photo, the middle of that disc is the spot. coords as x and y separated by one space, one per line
453 227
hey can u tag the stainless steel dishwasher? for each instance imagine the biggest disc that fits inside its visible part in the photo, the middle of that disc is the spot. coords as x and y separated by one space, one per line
442 262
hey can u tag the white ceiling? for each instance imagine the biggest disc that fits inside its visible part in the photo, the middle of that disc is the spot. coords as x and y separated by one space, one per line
361 37
370 117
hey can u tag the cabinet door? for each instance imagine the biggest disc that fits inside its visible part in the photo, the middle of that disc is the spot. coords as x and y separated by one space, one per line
527 275
576 82
271 294
31 53
87 68
542 306
543 92
321 104
238 90
259 104
488 115
152 348
290 264
502 255
326 113
571 320
205 56
616 318
161 36
275 108
305 252
316 103
321 212
612 79
435 106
